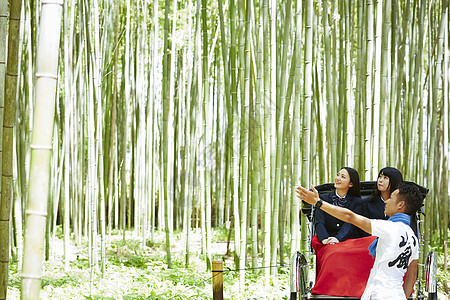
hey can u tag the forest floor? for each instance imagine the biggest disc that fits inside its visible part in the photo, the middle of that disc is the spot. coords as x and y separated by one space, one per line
133 271
140 272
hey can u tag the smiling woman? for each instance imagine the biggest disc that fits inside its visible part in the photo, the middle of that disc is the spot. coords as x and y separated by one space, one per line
330 230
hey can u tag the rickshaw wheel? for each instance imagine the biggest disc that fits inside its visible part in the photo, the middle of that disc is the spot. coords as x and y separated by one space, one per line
431 276
299 279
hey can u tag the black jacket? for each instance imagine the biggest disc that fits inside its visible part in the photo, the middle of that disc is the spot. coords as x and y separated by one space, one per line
375 208
327 225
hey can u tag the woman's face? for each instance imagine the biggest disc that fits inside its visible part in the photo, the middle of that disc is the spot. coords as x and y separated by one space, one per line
342 180
383 183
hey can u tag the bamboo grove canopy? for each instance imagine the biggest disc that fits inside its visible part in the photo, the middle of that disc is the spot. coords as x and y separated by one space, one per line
174 115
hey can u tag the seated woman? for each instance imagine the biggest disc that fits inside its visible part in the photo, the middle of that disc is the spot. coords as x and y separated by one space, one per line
388 180
337 244
330 230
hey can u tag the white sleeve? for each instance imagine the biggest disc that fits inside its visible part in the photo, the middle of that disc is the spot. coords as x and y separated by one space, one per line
382 228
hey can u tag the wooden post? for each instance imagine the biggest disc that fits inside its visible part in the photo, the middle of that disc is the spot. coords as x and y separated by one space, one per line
217 280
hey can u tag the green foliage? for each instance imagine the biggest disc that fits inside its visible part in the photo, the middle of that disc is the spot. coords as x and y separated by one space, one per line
436 242
13 266
132 261
80 263
129 254
182 276
14 278
59 232
65 280
170 295
220 235
134 297
141 273
138 297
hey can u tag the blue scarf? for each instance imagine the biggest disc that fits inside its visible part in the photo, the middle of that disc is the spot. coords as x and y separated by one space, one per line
398 217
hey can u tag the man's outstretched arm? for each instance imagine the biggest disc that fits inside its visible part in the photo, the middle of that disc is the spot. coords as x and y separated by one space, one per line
344 214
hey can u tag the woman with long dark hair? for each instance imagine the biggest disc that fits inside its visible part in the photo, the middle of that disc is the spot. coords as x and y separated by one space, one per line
330 230
388 181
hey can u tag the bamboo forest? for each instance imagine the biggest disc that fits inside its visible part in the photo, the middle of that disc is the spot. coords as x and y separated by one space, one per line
143 140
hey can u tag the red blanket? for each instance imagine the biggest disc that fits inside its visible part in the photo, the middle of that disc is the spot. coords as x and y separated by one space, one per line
342 269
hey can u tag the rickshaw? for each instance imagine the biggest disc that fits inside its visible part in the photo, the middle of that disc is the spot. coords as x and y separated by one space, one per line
300 265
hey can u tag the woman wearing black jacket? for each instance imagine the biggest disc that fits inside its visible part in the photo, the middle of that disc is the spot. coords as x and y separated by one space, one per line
330 230
388 180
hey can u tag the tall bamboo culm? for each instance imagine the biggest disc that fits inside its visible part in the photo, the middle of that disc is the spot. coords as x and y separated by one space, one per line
46 82
9 119
308 93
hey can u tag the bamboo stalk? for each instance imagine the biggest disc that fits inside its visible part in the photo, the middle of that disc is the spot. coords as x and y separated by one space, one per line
417 102
9 118
272 135
368 145
348 131
359 150
432 111
267 137
342 101
393 95
385 84
3 45
306 130
46 75
152 97
331 133
445 126
335 103
376 89
295 237
206 140
165 137
113 117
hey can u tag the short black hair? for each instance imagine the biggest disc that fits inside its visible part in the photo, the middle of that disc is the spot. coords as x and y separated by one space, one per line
410 193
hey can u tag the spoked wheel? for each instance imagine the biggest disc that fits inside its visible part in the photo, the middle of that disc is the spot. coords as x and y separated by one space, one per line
431 276
299 277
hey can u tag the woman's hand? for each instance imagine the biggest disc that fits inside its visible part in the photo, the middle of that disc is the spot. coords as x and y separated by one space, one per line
325 241
330 241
